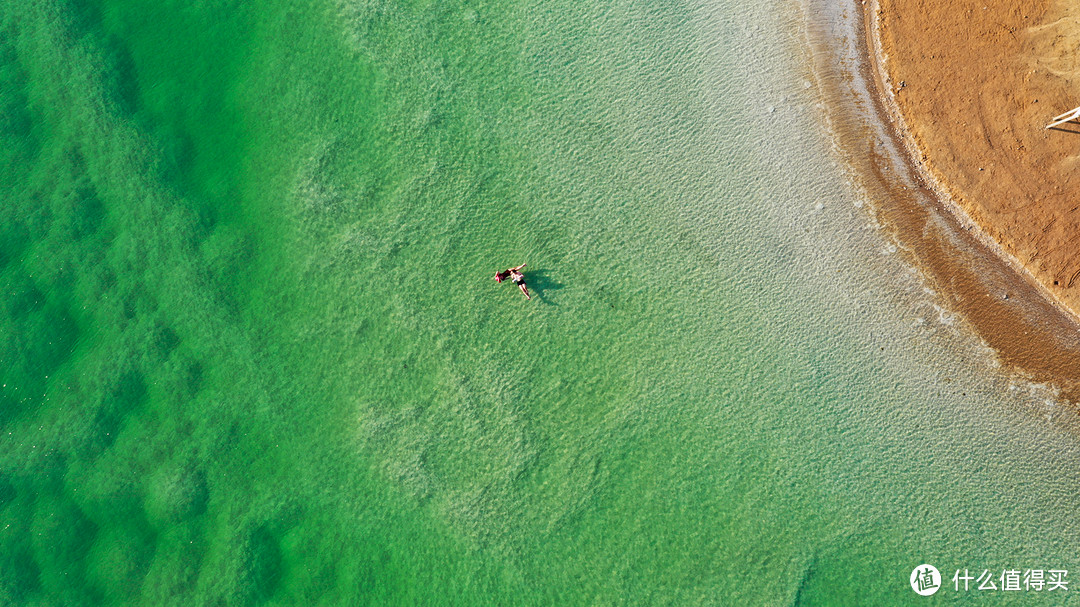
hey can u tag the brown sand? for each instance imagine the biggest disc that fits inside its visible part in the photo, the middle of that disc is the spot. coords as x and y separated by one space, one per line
976 82
981 199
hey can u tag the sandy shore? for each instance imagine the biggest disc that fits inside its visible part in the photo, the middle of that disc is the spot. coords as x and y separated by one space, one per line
940 108
974 84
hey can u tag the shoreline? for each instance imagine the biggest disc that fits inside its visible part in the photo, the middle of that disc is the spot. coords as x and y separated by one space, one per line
1033 332
916 157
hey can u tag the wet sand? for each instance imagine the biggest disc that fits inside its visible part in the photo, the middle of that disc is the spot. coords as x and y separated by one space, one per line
941 115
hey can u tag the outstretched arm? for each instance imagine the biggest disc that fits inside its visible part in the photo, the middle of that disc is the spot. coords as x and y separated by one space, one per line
519 267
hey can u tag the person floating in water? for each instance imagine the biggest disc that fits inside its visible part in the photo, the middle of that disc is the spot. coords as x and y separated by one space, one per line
515 275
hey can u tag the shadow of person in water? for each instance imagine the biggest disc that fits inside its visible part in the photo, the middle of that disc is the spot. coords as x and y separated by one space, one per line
540 282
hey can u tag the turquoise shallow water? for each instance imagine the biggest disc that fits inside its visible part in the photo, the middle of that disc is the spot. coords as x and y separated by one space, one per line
252 354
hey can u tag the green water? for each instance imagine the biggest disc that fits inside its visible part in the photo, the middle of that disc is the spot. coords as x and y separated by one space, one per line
252 353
